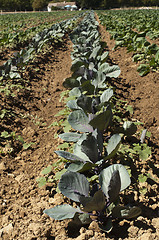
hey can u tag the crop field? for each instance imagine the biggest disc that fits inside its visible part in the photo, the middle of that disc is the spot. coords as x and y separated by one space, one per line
79 139
17 30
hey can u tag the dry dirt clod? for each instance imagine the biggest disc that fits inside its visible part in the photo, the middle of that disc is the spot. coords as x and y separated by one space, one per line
7 229
2 166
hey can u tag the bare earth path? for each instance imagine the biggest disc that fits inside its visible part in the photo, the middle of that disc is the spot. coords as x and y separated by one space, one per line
21 200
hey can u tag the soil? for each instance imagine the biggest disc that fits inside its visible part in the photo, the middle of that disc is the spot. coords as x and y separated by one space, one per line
21 200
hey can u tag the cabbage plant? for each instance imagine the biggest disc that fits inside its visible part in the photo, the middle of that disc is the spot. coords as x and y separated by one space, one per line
89 152
98 202
89 179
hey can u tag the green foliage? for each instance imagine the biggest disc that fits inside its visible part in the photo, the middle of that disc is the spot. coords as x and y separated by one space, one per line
142 178
11 138
142 150
130 109
62 212
46 170
39 4
11 83
143 69
76 187
16 5
48 177
126 212
42 181
133 35
108 4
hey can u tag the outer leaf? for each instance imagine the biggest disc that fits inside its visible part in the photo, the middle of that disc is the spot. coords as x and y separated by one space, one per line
134 212
85 103
62 212
106 95
114 186
95 52
70 137
90 148
91 66
78 152
96 203
72 104
69 156
79 121
143 135
113 71
76 64
102 120
99 80
78 149
104 56
107 173
103 67
73 185
80 167
106 226
110 185
98 135
129 128
110 71
75 92
82 219
88 87
81 71
125 212
113 145
71 83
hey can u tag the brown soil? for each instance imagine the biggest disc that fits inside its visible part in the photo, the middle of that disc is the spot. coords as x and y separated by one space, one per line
22 201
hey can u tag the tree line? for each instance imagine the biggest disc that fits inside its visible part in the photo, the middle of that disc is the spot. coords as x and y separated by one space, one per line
22 5
107 4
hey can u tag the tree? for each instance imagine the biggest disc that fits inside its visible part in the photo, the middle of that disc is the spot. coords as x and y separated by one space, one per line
23 5
13 5
39 4
95 4
9 5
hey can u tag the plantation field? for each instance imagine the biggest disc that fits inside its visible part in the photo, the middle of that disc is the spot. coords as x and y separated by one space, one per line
17 30
33 113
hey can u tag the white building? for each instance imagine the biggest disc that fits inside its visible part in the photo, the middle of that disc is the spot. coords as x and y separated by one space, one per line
62 5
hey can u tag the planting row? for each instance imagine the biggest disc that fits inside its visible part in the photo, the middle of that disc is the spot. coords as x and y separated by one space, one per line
12 78
18 29
133 34
90 178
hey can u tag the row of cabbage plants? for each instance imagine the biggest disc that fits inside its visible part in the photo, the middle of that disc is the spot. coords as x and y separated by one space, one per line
13 82
133 34
12 67
96 140
17 30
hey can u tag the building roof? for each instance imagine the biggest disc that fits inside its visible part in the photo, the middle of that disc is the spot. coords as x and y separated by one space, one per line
61 4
